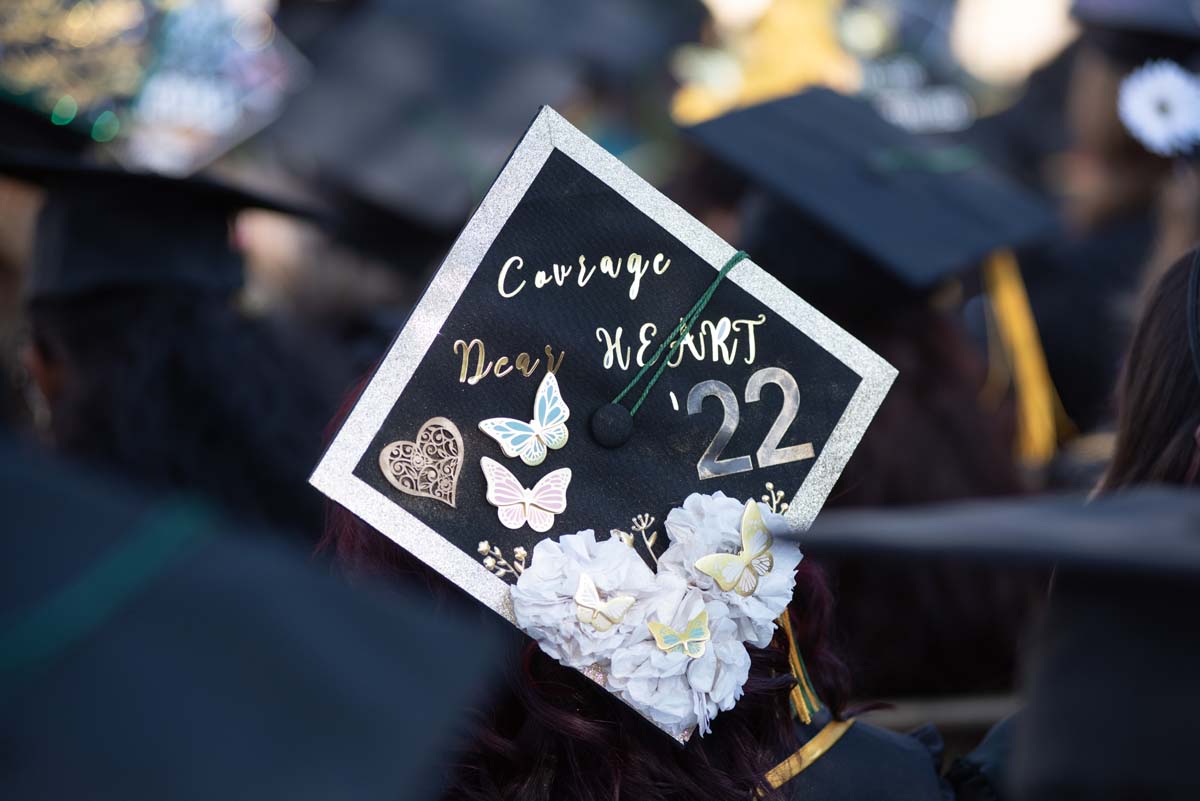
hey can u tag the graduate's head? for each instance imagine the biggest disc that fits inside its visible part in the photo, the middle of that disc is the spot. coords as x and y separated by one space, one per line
545 731
1158 395
1108 173
147 365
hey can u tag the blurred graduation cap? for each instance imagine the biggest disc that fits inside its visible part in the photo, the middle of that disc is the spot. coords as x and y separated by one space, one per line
1135 31
24 129
412 111
868 204
169 86
1112 710
618 40
150 650
103 227
1176 18
861 217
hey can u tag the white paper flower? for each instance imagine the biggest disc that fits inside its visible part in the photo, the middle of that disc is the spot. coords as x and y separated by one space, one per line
1160 106
708 524
544 596
673 690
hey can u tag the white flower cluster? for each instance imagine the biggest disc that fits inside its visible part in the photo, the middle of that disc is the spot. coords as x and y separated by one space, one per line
677 688
1159 104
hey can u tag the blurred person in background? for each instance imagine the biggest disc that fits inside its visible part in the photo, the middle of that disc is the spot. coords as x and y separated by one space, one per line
1116 638
883 233
20 129
152 648
1158 397
1124 211
147 366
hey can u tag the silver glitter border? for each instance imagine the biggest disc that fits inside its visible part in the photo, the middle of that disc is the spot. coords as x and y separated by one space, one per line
334 475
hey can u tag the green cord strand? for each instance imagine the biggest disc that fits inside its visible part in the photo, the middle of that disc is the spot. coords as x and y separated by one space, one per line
675 340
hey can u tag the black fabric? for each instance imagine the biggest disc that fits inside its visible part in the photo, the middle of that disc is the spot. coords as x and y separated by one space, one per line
657 468
921 211
22 128
1173 18
1081 291
1112 713
981 775
103 227
428 106
1148 532
234 672
1112 710
85 242
900 767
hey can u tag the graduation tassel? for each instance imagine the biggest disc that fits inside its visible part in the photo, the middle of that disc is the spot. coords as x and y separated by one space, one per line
1041 419
804 697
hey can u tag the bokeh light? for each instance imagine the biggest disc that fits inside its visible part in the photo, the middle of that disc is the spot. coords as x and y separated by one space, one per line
106 127
64 110
1002 41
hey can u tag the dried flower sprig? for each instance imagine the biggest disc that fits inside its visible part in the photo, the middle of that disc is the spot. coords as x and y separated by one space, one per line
493 560
774 499
641 524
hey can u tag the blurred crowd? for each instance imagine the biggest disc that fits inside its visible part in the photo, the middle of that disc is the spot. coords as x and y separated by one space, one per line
215 215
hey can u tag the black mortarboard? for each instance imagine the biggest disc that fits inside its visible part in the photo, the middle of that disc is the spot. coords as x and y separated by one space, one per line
1174 18
427 107
854 197
524 399
102 227
1112 706
24 129
1132 32
148 649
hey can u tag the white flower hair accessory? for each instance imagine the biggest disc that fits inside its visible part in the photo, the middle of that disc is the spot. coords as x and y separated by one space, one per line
671 644
710 525
675 690
544 597
1159 104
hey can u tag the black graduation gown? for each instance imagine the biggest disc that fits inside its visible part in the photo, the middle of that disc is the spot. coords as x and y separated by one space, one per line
146 653
855 761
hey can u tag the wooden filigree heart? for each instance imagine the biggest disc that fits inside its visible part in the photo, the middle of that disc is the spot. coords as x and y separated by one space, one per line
428 466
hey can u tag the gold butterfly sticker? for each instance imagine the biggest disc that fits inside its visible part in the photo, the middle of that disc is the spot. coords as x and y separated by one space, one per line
692 641
740 571
602 615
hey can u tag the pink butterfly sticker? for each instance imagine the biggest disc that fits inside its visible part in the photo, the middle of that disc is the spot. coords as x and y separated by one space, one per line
516 506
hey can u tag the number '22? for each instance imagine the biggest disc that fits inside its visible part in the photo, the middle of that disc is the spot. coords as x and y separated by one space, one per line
711 465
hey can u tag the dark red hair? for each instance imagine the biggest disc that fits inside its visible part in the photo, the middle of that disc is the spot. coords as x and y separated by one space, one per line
548 732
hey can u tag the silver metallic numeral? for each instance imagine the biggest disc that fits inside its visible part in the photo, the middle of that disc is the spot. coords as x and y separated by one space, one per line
711 465
769 453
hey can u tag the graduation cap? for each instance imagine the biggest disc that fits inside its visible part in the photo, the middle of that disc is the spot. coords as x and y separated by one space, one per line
1132 32
621 39
427 107
24 129
149 649
590 358
1111 699
169 86
857 203
1171 18
103 227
